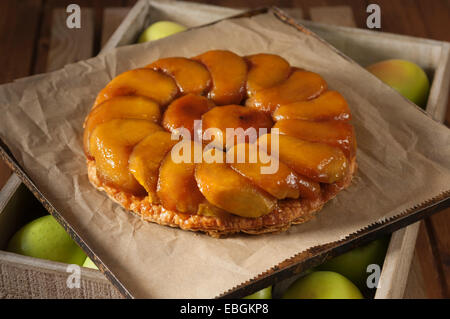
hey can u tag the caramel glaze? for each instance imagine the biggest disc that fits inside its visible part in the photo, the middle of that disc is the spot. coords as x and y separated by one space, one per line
293 100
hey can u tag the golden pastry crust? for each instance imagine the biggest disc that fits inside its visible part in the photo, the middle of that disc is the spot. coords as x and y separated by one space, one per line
288 212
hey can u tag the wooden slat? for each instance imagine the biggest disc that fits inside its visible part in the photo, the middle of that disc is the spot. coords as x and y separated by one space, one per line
40 63
401 17
337 15
5 173
296 13
440 224
414 286
425 254
44 279
357 8
43 42
19 27
447 117
70 45
112 17
436 15
396 268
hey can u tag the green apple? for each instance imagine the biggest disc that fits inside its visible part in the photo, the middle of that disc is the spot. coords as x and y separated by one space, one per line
353 264
265 293
405 77
88 263
45 238
323 285
160 29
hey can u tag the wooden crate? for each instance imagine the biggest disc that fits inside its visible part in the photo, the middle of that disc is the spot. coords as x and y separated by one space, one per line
363 46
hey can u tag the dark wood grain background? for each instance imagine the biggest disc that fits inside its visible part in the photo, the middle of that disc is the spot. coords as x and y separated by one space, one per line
25 28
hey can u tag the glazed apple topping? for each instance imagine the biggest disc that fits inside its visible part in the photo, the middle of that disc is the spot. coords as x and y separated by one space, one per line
228 73
143 82
320 162
335 133
227 189
330 105
111 144
281 183
232 117
300 86
265 71
177 188
184 111
120 107
219 134
190 76
145 160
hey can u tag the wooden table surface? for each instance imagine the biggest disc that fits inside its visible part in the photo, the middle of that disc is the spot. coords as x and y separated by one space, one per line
25 31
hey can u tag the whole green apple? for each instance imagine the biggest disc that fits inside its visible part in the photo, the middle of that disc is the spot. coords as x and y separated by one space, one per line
353 264
265 293
159 30
404 76
88 263
323 285
45 238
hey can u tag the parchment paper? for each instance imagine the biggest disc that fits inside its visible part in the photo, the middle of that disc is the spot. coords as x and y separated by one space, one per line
403 156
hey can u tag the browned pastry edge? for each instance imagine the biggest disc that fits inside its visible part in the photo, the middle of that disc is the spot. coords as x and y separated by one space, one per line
288 212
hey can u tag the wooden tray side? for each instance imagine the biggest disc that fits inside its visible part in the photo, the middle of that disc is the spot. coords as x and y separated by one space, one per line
146 12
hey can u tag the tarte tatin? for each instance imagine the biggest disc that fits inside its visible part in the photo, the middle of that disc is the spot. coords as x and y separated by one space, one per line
157 143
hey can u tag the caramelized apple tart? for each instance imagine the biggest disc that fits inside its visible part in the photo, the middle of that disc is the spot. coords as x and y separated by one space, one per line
220 143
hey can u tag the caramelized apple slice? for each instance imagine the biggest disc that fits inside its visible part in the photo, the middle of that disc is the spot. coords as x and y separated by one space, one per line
111 143
191 76
177 188
273 176
219 119
227 189
266 70
334 133
184 111
331 105
146 82
208 209
228 73
146 158
300 86
120 107
320 162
